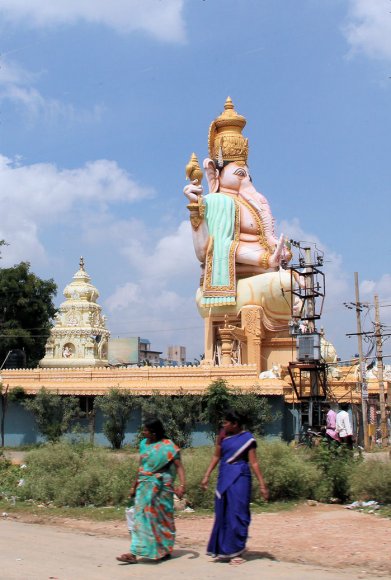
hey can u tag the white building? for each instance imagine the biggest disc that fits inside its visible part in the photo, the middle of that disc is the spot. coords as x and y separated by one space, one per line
176 354
79 337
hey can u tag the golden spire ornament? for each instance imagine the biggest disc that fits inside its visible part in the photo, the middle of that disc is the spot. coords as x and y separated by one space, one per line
193 169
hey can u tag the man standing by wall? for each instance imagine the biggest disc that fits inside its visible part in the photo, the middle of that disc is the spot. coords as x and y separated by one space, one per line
344 426
331 421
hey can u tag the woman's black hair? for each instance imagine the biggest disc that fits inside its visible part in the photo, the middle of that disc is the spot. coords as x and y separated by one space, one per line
155 426
234 416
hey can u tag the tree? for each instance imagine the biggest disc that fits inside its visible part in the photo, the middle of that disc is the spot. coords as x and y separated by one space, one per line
53 413
26 310
117 407
253 406
178 413
215 402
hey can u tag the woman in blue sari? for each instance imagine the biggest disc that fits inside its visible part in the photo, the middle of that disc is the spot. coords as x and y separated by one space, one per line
235 451
153 533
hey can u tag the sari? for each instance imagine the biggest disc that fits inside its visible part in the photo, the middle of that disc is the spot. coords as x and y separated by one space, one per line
233 495
153 534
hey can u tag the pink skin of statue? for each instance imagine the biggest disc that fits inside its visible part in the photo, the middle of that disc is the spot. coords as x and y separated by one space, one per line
234 179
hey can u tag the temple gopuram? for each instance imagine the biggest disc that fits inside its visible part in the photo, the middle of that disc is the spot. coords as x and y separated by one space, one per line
79 337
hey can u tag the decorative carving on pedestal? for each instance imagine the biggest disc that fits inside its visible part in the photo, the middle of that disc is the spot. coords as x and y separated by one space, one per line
252 321
253 328
225 334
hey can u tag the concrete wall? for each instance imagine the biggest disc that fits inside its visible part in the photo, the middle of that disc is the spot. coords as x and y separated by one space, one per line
21 428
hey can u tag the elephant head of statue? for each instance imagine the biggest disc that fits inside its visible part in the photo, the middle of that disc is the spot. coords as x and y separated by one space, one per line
234 177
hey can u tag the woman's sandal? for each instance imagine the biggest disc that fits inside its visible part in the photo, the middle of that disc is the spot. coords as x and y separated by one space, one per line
127 559
237 561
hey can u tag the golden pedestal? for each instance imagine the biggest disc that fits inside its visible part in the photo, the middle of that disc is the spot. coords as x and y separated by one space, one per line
242 339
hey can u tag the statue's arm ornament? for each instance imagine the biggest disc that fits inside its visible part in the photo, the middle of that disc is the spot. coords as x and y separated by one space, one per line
194 192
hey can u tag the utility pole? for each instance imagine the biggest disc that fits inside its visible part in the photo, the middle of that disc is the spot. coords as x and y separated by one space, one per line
362 369
379 356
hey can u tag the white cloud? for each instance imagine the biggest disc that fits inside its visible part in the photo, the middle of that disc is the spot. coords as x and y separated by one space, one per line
124 296
159 268
160 18
159 302
16 86
41 195
369 28
172 257
367 287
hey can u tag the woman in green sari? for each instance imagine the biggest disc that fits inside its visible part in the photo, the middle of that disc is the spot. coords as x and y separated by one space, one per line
153 534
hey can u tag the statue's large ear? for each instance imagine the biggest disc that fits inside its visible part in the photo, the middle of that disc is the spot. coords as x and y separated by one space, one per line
212 175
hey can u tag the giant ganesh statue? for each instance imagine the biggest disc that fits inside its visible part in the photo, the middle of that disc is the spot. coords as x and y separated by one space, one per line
245 294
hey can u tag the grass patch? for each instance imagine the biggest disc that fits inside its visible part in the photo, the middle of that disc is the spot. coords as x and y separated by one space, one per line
288 472
272 507
97 514
372 480
76 475
115 513
385 511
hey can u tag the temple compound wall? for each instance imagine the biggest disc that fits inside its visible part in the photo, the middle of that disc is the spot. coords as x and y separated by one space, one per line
87 383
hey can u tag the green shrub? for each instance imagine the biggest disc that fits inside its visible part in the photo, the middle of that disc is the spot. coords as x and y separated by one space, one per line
336 463
53 413
371 480
76 475
195 462
9 477
117 407
251 404
287 472
79 475
216 400
178 413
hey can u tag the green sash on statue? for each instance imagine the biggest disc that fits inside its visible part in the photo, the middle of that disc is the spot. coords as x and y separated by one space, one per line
222 217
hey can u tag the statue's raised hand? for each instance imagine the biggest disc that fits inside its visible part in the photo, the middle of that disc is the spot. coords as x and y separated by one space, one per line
193 191
278 254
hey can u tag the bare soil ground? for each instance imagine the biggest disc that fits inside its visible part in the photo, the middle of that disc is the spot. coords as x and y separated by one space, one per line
324 535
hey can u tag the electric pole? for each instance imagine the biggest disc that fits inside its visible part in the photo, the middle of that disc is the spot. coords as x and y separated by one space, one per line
362 368
379 356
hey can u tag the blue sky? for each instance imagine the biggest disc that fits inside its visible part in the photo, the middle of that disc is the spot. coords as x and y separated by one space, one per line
102 103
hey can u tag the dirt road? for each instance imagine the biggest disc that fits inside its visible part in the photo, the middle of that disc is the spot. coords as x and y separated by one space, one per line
308 543
31 552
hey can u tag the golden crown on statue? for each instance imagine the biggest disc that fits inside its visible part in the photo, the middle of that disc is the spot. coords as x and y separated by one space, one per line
226 142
